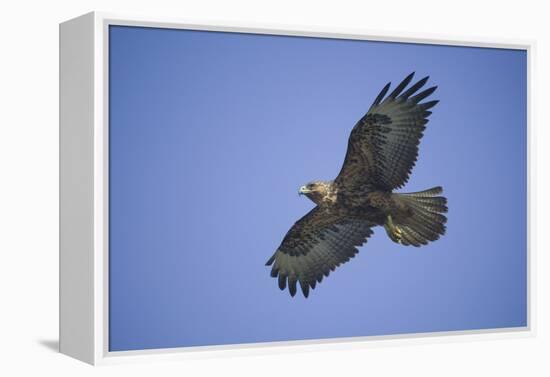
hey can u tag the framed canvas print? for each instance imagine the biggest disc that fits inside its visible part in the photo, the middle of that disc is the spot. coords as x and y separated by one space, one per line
228 187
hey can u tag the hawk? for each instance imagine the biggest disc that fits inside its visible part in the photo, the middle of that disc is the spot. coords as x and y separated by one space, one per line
382 150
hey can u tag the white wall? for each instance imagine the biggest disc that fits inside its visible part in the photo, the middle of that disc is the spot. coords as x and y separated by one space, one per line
29 188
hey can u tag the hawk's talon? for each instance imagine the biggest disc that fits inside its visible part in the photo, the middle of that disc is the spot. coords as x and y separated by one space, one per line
393 230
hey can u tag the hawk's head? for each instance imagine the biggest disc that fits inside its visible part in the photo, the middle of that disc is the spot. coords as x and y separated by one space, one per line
317 191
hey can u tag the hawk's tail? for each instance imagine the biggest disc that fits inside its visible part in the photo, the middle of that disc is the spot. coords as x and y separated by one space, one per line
427 222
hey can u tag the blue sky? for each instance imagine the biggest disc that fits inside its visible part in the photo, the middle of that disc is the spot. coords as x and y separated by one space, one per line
211 134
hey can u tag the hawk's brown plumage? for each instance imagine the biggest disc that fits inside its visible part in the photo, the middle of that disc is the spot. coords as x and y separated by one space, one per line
382 150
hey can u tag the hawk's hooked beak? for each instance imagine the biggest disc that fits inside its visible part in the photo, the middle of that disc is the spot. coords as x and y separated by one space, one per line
303 190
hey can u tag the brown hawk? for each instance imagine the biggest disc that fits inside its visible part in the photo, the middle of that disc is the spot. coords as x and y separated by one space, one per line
382 150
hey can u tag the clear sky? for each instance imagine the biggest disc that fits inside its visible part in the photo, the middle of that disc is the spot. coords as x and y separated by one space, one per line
211 135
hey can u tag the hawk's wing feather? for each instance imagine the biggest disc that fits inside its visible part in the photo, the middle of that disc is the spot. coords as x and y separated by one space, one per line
316 244
383 145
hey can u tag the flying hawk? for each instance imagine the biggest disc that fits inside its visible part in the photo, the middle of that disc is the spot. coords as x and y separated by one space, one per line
382 150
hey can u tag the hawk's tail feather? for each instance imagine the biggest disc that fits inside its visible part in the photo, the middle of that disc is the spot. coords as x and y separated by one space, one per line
427 222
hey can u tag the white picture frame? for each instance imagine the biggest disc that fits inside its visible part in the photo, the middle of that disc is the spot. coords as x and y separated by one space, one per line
84 190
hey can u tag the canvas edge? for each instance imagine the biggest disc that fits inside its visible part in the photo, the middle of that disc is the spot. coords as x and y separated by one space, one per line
314 31
531 189
101 355
76 191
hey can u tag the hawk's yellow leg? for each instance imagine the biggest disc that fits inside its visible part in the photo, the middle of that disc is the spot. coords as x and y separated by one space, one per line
394 232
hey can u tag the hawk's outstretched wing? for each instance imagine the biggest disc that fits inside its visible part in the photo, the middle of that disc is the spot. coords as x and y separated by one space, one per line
315 245
383 145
